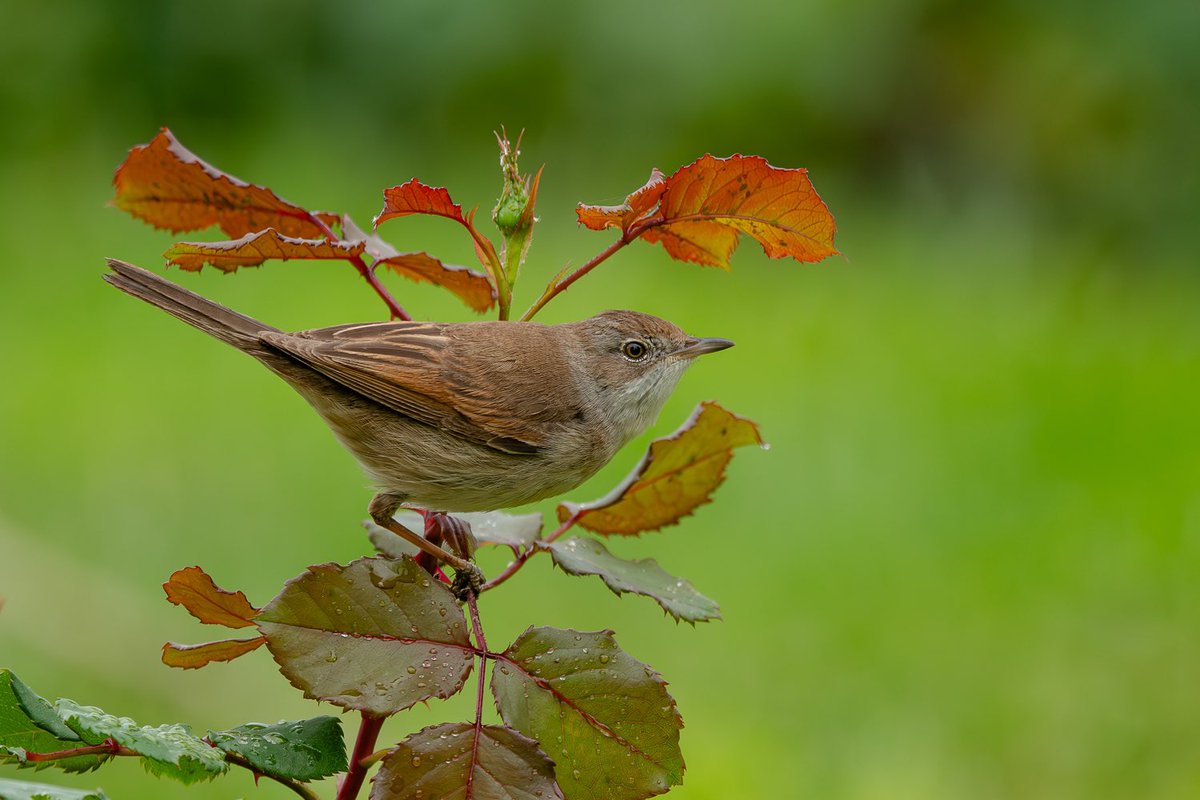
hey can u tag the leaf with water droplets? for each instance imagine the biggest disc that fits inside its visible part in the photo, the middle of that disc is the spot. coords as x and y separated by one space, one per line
23 790
454 760
193 589
377 635
579 556
168 750
604 717
304 750
29 724
678 474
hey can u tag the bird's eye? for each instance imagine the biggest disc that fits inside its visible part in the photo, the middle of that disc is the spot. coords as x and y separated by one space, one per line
634 350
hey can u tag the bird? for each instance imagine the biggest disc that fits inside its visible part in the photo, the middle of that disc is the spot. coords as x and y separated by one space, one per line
461 416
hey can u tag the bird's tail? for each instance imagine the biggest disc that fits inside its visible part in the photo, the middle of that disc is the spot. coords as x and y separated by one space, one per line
216 320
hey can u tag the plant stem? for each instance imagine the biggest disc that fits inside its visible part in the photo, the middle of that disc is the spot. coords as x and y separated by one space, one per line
537 547
368 274
481 646
108 747
557 287
295 786
364 746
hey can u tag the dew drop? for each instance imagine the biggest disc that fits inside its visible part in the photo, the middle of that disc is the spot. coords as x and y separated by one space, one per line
603 659
332 657
412 670
577 774
416 762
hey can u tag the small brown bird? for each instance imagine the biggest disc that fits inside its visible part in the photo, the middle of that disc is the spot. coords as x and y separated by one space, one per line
472 416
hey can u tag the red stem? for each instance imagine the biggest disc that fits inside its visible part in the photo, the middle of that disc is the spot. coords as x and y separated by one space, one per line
557 287
520 560
368 274
481 646
364 746
108 747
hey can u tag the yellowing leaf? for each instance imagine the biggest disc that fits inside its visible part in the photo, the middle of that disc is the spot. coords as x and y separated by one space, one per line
194 656
254 248
415 197
697 213
678 474
167 185
634 208
472 287
193 589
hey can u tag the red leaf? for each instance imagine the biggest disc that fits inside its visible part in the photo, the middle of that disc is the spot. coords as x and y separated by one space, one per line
167 185
415 197
195 656
678 474
195 591
472 287
254 248
703 207
634 208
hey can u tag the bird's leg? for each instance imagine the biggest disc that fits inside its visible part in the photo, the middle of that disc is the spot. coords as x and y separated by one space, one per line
384 505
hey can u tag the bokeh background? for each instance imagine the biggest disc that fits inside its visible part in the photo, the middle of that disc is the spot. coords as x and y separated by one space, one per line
968 567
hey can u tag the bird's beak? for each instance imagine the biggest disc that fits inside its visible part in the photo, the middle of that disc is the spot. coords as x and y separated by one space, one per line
698 347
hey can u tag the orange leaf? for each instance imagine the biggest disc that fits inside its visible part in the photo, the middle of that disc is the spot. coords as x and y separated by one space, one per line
710 201
634 208
168 186
472 287
678 474
415 197
254 248
195 656
194 590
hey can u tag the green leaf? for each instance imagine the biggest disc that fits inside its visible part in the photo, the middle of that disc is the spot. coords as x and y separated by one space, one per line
19 733
303 751
517 531
581 556
21 790
39 710
454 760
605 717
377 635
168 750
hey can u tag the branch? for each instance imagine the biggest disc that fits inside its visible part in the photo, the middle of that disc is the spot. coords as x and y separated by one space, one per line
481 646
295 786
516 565
368 274
557 286
364 746
109 747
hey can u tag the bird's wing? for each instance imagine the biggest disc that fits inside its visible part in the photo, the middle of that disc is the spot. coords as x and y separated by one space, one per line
406 366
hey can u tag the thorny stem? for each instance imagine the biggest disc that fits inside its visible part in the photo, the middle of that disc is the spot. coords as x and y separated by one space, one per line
537 547
368 274
482 648
558 286
295 786
109 747
424 544
364 746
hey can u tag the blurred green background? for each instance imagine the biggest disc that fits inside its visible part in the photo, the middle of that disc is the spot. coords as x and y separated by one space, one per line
969 567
